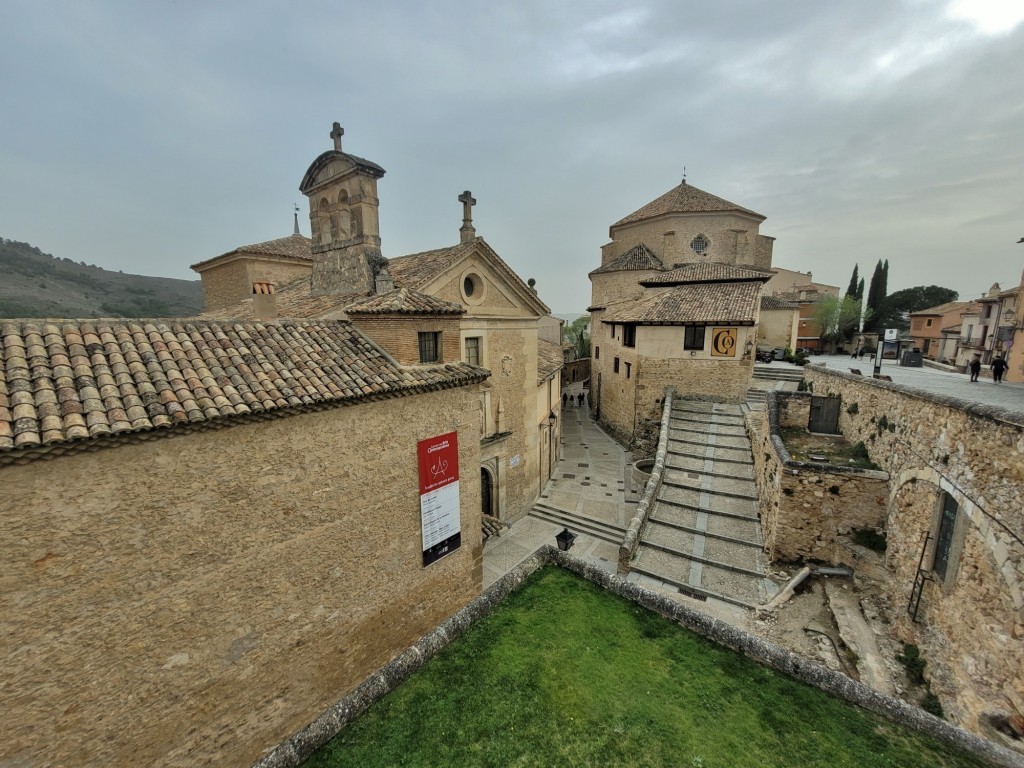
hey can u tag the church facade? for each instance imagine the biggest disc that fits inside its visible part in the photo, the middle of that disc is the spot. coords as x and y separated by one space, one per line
341 272
676 302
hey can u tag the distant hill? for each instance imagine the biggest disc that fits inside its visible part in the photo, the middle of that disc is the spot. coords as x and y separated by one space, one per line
36 284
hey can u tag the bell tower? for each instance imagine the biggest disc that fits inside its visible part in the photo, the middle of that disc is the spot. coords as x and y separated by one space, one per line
343 206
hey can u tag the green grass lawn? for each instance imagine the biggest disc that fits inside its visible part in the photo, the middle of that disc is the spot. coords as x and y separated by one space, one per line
565 674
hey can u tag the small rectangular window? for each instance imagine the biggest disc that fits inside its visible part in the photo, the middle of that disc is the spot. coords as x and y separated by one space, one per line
694 337
430 343
611 329
628 368
928 323
629 335
615 366
597 353
473 350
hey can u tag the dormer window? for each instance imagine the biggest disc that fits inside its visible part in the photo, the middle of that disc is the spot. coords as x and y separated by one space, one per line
700 245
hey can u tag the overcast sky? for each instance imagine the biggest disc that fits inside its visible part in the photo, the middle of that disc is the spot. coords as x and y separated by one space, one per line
146 136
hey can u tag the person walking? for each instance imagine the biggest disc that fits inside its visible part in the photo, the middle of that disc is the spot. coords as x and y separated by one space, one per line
999 367
565 399
579 399
975 367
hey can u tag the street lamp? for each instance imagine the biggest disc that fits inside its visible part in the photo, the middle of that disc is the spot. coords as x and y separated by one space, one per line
551 418
565 539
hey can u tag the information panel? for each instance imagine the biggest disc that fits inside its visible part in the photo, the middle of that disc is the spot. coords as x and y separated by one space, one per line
439 496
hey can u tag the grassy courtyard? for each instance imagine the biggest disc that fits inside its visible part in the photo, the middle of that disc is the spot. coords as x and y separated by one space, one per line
565 674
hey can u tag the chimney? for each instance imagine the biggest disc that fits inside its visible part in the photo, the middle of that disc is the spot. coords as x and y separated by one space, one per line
382 282
264 300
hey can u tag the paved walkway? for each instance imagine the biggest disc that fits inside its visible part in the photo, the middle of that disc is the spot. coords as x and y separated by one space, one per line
986 392
591 480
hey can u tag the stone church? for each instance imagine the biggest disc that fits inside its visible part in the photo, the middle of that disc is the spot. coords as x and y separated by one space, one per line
676 301
341 272
215 525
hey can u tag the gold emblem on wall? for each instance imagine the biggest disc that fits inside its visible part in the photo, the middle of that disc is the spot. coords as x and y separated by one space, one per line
723 342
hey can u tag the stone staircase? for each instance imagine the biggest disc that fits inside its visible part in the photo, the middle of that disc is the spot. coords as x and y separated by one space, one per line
578 523
704 534
769 376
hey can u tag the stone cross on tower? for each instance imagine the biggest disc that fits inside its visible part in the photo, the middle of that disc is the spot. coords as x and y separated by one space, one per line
336 133
467 232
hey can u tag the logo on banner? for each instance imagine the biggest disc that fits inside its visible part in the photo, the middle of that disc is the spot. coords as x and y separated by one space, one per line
723 342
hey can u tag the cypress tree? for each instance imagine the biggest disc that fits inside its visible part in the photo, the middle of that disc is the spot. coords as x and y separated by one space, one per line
860 289
852 290
873 299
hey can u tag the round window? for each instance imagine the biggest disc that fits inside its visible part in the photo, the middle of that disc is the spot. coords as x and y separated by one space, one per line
468 286
700 244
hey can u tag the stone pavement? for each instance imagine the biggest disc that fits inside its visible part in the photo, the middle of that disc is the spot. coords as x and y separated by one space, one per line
591 483
985 392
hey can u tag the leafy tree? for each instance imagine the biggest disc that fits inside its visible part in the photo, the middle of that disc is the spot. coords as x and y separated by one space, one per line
895 310
838 319
577 333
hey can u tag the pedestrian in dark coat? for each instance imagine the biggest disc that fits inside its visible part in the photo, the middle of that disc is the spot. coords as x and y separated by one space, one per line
565 399
999 367
975 367
579 399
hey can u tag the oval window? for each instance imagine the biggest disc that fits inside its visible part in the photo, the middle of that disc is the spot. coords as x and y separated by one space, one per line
469 286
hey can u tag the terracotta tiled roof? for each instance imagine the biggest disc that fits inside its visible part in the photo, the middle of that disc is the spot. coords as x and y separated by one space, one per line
734 303
941 309
685 198
403 301
417 269
774 302
549 359
637 257
708 272
294 246
69 380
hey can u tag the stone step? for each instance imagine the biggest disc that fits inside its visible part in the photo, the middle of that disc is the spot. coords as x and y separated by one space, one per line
728 441
694 451
771 375
718 526
727 506
721 418
701 406
578 523
684 551
700 464
718 583
740 489
697 531
732 450
709 427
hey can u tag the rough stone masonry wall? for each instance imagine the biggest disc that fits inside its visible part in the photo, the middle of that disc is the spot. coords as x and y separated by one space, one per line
193 600
806 507
398 335
226 285
971 626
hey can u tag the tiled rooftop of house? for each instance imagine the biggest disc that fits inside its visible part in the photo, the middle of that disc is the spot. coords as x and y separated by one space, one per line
67 380
774 302
636 258
702 303
549 359
293 300
708 272
294 246
403 301
685 198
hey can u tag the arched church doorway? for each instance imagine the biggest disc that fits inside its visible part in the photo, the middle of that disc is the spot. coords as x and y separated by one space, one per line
486 500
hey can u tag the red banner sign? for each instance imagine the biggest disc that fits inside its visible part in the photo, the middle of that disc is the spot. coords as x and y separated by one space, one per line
439 496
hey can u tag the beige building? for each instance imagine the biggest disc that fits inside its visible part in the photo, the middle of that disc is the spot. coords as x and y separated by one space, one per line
503 325
931 328
214 530
676 301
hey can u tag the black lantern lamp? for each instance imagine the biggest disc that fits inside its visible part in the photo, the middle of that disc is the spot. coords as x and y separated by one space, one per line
565 539
551 418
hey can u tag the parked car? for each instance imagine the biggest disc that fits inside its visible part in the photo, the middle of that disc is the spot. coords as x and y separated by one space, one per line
764 355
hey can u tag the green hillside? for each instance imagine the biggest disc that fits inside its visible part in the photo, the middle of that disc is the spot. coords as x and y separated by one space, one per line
36 284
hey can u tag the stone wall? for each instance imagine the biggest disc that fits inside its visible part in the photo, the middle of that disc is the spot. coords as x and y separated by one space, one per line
225 285
195 599
398 335
608 287
576 371
970 624
807 508
732 238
